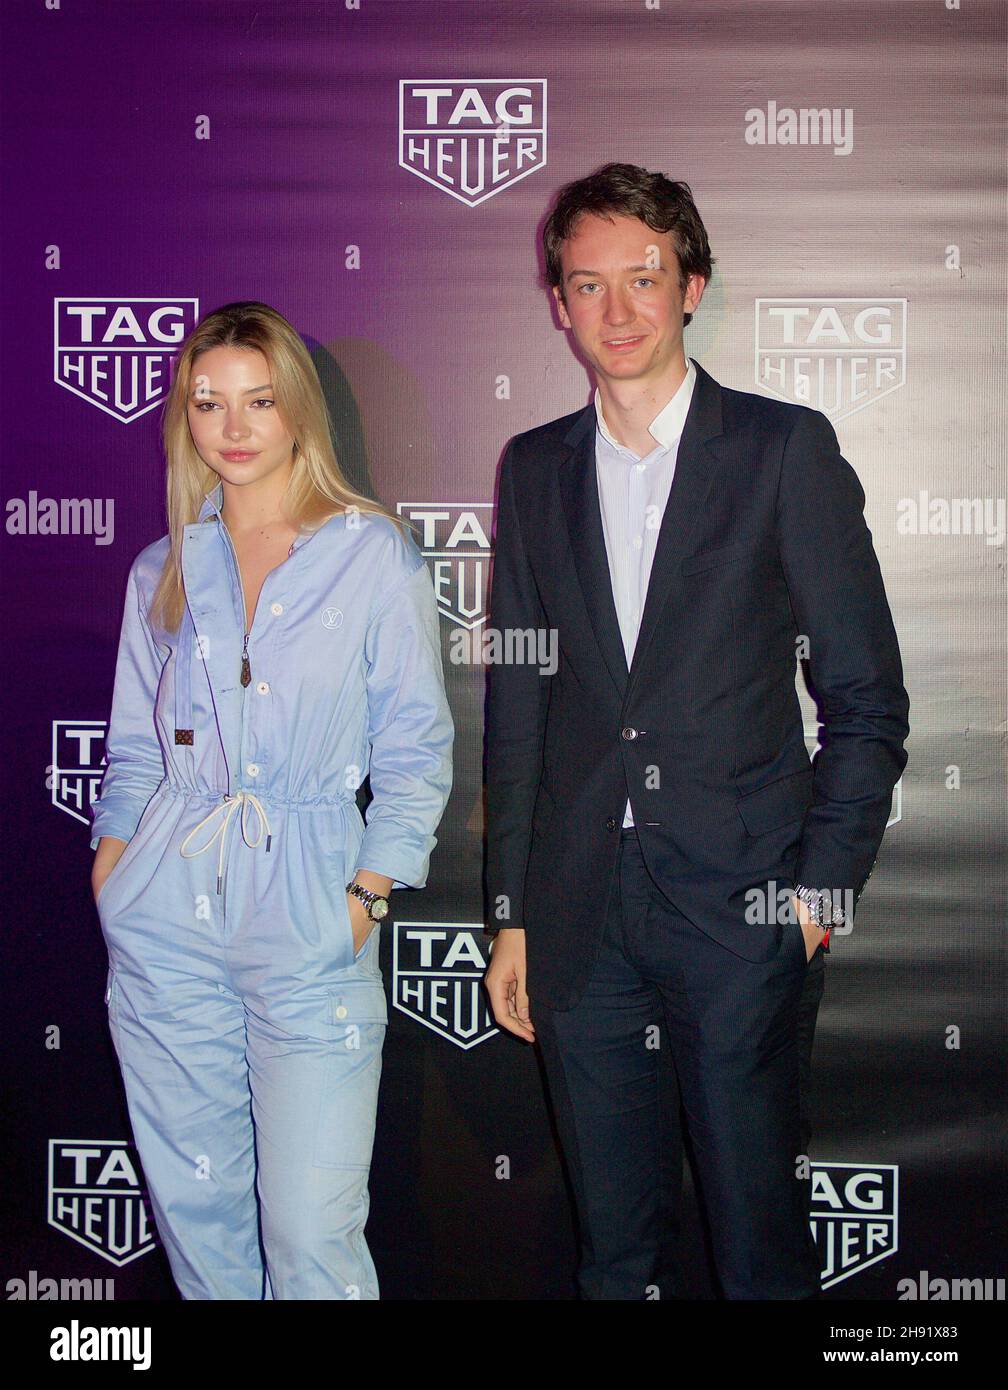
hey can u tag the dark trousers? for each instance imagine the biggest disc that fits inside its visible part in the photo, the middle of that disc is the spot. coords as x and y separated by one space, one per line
667 1005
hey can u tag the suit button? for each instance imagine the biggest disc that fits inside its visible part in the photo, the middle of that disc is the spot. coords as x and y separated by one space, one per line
629 733
611 823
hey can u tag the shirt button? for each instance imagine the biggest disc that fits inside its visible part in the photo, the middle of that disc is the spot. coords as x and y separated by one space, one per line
641 467
628 733
263 687
276 609
253 769
638 542
341 1011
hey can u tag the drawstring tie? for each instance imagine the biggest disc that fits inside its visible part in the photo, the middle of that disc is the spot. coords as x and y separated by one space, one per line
227 806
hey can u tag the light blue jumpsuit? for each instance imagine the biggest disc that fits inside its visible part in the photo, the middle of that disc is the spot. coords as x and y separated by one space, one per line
234 994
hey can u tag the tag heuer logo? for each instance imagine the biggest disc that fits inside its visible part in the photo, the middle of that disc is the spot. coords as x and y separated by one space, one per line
854 1216
471 138
95 1198
78 763
834 355
456 545
438 970
116 352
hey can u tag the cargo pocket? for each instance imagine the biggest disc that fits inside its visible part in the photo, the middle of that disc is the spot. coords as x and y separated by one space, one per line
358 1017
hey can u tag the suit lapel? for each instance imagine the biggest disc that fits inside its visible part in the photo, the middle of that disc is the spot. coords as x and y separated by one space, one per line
579 489
696 464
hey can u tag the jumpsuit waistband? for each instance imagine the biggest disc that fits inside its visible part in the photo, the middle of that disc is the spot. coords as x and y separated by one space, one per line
225 809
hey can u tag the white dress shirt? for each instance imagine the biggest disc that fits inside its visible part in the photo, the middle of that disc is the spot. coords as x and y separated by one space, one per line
633 492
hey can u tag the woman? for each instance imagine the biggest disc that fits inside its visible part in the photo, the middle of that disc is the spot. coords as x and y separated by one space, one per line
277 645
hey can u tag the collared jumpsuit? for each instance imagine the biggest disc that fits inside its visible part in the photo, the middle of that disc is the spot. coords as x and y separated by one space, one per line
248 1032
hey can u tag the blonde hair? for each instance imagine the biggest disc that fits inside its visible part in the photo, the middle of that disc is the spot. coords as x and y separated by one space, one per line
317 481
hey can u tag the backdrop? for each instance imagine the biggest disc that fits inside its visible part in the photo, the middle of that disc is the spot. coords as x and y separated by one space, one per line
378 171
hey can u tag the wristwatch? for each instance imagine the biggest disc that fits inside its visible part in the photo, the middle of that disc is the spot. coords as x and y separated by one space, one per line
377 906
821 910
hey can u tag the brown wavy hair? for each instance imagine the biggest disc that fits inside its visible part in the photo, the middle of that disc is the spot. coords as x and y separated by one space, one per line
317 490
630 191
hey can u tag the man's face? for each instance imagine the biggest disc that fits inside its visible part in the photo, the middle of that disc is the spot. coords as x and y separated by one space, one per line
624 304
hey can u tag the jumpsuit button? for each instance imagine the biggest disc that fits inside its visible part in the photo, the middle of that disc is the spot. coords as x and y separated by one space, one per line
253 769
276 609
341 1011
263 687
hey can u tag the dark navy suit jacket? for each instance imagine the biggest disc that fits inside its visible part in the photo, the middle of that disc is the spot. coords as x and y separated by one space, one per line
763 539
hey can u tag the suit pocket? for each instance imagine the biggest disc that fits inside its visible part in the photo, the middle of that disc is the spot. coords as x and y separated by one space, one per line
778 803
721 555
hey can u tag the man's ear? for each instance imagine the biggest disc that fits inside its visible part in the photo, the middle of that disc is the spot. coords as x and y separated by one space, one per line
561 306
695 287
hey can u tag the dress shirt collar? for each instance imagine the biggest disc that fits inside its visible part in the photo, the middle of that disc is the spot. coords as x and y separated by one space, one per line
667 425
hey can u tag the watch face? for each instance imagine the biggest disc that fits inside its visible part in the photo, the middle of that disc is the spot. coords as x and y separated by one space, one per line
379 909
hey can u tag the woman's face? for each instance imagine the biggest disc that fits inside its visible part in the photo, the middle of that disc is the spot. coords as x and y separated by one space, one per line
235 424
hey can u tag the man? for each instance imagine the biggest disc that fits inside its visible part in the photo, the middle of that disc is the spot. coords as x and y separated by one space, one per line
662 857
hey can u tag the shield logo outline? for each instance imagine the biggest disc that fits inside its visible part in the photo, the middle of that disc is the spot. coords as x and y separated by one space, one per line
167 350
476 928
813 300
94 774
478 556
469 202
138 1193
857 1268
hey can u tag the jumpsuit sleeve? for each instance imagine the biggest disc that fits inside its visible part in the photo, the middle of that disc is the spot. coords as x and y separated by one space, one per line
410 730
135 765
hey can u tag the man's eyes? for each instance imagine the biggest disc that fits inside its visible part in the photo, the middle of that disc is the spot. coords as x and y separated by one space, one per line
593 284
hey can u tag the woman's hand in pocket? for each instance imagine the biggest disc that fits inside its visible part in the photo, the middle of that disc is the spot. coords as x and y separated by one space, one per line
107 856
360 921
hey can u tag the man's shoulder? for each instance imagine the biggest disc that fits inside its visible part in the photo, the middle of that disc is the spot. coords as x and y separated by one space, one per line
543 440
743 409
748 409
